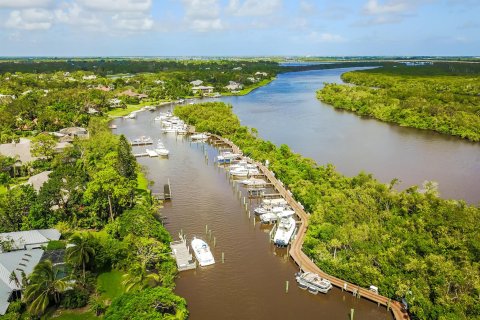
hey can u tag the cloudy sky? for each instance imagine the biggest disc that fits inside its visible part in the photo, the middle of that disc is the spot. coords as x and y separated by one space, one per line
239 27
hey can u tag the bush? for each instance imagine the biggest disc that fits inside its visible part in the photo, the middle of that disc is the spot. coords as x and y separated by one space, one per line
76 298
56 245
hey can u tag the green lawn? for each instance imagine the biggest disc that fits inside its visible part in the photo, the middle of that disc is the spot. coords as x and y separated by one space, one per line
119 112
75 314
3 189
110 284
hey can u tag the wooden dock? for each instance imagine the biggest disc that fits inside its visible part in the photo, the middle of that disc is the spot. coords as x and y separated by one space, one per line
182 255
301 259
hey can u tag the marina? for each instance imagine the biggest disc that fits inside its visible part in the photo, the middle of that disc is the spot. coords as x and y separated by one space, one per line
206 200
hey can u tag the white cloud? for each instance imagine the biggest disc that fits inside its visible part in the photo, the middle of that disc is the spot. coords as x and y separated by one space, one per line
117 5
30 19
325 37
25 4
202 15
132 22
391 11
254 7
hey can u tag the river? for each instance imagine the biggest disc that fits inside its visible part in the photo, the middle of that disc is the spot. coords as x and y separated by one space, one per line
250 284
287 111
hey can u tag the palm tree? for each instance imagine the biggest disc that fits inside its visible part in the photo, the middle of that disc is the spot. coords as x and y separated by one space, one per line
80 253
43 285
139 278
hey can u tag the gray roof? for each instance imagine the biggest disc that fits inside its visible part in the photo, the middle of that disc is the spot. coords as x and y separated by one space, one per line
38 180
23 239
20 150
15 261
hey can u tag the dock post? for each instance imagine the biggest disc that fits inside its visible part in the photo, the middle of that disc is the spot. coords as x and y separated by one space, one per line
223 257
214 242
388 305
286 286
206 228
210 234
351 313
253 221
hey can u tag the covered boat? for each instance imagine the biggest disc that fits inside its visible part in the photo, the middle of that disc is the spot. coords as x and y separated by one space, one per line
284 232
313 282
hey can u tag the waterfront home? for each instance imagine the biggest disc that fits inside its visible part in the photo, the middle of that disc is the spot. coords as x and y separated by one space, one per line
232 86
196 83
74 132
26 240
258 73
90 77
20 150
133 94
203 89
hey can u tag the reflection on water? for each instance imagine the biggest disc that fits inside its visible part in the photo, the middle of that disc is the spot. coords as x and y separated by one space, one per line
287 112
251 282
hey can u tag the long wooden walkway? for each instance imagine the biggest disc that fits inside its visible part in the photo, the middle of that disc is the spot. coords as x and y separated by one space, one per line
302 260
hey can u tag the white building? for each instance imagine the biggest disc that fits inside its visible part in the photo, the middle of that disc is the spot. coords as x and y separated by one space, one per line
203 89
196 83
26 240
234 86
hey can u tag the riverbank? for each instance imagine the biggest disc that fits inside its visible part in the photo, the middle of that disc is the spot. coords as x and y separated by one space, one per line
120 112
446 104
352 220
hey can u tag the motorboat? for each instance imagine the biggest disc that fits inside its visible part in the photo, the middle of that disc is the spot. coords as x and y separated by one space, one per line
199 136
244 172
202 252
283 235
313 282
252 182
142 140
274 202
267 209
227 157
268 218
161 150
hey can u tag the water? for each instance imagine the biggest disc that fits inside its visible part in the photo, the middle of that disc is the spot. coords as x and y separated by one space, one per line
251 282
287 112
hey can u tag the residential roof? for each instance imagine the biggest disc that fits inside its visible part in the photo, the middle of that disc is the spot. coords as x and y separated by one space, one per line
24 239
38 180
20 150
16 262
73 131
196 82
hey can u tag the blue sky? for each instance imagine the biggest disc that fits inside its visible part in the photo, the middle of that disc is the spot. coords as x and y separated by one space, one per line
239 27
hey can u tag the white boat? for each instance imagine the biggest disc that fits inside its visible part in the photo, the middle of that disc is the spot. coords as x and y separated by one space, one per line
267 209
284 232
151 153
227 157
169 130
252 182
268 217
274 202
202 252
132 115
181 131
199 136
313 282
142 140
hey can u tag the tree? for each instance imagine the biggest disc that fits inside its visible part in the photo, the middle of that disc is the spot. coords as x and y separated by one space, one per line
139 278
127 164
43 285
152 303
43 145
81 252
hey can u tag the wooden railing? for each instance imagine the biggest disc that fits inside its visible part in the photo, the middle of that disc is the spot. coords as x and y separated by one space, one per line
301 259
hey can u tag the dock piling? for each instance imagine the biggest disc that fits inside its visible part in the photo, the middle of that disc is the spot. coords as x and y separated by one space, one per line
206 228
214 242
286 286
351 313
223 257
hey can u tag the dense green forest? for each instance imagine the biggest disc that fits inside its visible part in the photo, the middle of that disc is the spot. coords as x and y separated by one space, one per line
444 97
97 197
411 244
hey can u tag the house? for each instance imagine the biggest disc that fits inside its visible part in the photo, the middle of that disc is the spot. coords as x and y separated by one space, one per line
27 240
90 77
19 264
252 79
130 93
233 86
237 69
203 89
25 254
74 132
196 83
20 150
38 180
261 74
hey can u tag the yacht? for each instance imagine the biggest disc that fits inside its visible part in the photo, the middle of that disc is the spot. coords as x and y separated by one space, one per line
243 172
151 153
313 282
252 182
284 232
202 252
274 202
227 157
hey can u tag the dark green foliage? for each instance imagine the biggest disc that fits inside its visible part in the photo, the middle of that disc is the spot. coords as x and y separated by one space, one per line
447 104
75 298
410 244
141 223
15 206
153 303
127 164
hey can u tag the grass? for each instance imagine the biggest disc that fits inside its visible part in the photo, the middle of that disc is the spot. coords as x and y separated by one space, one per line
119 112
110 285
76 314
142 181
3 189
246 91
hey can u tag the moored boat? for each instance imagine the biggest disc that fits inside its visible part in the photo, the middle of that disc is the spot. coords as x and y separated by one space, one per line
202 252
313 282
284 232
